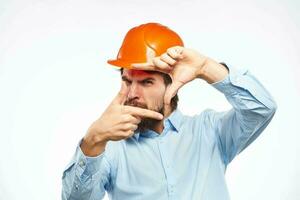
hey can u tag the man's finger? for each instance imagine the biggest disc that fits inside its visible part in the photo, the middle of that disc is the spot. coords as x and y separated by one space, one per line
161 65
129 126
122 95
175 52
132 119
168 59
143 66
172 91
141 112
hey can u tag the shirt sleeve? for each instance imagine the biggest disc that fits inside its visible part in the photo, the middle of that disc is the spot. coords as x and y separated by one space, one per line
86 177
252 110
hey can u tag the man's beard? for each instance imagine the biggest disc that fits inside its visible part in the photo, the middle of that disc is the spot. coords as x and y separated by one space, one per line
146 123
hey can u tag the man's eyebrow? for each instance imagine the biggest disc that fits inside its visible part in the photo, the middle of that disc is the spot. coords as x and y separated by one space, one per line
124 78
147 79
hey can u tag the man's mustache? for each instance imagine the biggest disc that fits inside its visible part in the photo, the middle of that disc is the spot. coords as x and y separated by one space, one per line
136 104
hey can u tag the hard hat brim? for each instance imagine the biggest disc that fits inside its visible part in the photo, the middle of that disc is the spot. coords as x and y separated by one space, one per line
120 63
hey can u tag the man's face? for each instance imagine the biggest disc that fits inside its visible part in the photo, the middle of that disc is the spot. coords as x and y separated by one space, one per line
146 90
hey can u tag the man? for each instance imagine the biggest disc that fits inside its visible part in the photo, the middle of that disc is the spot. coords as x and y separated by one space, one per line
143 147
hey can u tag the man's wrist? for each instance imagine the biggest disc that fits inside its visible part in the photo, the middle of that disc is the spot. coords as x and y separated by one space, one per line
212 71
93 144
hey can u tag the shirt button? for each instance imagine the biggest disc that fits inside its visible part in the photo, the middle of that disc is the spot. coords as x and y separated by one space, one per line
76 187
171 188
81 163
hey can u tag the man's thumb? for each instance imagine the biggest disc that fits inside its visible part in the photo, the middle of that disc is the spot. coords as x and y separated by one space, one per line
171 91
122 95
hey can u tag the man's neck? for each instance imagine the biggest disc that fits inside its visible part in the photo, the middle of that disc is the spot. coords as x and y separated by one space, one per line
159 128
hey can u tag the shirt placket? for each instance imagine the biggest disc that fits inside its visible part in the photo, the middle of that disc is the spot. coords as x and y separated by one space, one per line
166 162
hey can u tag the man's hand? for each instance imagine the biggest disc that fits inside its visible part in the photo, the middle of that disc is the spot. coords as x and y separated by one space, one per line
182 64
118 122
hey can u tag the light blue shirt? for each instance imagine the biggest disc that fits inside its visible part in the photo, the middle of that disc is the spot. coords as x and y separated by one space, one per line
187 161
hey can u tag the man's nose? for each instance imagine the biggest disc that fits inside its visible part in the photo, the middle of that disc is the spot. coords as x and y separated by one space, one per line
134 91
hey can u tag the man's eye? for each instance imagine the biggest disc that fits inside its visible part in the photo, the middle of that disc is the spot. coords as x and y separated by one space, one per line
147 82
127 82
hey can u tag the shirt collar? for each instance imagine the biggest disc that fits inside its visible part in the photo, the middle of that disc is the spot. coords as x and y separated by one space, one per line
172 122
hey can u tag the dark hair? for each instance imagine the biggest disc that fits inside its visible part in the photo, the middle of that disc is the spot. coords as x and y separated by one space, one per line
167 81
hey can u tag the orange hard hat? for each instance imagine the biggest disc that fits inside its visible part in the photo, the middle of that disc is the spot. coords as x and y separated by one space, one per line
140 39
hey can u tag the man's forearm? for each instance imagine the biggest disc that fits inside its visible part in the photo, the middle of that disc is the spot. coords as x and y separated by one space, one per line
212 71
91 148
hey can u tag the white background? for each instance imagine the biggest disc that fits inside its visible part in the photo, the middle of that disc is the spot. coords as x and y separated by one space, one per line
54 82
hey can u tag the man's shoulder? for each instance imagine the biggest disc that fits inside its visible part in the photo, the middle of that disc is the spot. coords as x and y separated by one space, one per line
178 115
206 114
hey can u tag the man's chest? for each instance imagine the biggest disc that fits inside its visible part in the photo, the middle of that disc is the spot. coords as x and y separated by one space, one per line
163 160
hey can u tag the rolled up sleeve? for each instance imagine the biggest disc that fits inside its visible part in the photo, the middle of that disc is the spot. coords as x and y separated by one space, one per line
85 177
252 110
